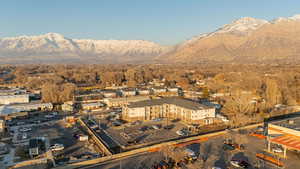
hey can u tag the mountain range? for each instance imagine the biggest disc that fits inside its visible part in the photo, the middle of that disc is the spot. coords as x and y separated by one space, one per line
244 40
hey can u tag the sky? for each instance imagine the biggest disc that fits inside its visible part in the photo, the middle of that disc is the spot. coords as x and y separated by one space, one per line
166 22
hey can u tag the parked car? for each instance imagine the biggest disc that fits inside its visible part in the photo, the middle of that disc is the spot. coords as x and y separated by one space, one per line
157 119
116 123
191 153
24 136
175 120
260 128
277 150
144 128
83 138
214 167
54 113
25 129
156 127
49 116
169 127
76 136
229 147
181 133
20 123
37 122
57 147
239 163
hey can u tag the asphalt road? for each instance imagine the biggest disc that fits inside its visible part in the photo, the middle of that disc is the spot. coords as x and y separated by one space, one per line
140 161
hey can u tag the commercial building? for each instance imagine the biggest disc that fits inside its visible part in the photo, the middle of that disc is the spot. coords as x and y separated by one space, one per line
15 108
92 106
158 90
128 92
12 91
172 107
173 89
285 133
192 94
11 99
143 91
109 93
32 106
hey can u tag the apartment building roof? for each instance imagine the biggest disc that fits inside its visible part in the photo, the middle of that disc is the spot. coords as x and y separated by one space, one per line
185 103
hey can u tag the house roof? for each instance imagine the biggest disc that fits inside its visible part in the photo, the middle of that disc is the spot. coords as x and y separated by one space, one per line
170 100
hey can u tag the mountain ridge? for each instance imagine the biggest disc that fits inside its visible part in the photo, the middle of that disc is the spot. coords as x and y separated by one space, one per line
244 39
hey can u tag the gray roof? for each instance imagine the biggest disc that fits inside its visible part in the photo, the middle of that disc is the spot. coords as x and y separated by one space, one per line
188 104
291 123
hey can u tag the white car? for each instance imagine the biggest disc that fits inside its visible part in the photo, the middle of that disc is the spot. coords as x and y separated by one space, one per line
25 129
235 163
191 153
155 127
20 123
54 113
180 133
57 147
49 116
24 136
216 168
277 150
157 119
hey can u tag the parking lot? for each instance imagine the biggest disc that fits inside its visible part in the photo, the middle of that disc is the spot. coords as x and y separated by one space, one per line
135 134
56 130
145 132
216 152
73 149
221 151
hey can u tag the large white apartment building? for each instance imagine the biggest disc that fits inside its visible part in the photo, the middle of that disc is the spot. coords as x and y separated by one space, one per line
173 108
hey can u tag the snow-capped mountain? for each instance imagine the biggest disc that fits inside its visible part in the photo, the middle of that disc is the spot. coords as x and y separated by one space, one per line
292 18
246 39
243 25
55 46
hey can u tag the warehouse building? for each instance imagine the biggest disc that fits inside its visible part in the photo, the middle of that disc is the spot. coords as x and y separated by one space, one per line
11 99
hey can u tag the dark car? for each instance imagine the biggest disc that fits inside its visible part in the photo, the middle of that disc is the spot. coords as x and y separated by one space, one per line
169 127
144 128
244 164
175 120
76 136
229 147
